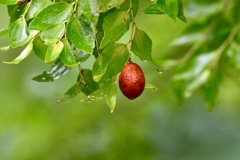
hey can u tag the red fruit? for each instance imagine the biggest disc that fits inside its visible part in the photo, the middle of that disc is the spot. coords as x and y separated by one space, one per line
132 81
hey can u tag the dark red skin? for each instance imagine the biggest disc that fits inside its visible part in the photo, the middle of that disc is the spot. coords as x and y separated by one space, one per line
131 81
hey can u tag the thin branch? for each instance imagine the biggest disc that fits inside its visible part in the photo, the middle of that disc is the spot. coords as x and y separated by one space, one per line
133 29
225 44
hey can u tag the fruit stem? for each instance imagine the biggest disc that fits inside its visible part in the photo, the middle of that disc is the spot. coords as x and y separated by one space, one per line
133 29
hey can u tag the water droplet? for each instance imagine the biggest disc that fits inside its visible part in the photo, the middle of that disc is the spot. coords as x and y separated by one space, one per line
86 33
144 60
89 99
159 70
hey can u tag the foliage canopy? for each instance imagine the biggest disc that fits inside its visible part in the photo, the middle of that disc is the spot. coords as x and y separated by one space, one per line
65 33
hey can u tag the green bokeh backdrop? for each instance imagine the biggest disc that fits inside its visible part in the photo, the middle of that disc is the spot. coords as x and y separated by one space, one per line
152 127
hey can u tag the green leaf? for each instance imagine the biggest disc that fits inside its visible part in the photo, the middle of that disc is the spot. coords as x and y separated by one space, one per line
153 9
162 5
5 48
172 8
106 5
4 31
54 14
57 71
53 51
23 55
232 56
126 5
18 33
211 89
114 26
15 11
180 14
99 68
235 15
81 56
151 87
72 92
117 56
193 74
52 33
39 48
100 93
89 9
67 55
197 82
195 67
36 7
89 85
169 6
8 2
100 34
142 45
111 97
81 35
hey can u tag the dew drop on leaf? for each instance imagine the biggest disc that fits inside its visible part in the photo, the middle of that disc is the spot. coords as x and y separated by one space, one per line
159 70
144 60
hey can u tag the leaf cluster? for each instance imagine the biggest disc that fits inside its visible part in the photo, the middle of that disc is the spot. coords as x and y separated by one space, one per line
65 33
210 45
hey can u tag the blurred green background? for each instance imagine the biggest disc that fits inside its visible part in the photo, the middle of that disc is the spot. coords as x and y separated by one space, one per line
152 127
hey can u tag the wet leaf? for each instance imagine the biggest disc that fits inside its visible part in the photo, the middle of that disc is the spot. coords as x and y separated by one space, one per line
99 68
106 5
151 87
87 82
36 7
52 15
57 71
67 56
142 45
23 55
18 33
153 9
53 51
111 97
100 93
4 30
81 35
72 92
52 33
39 48
116 56
89 9
114 26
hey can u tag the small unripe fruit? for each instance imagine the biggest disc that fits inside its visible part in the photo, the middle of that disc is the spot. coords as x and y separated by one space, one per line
131 81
